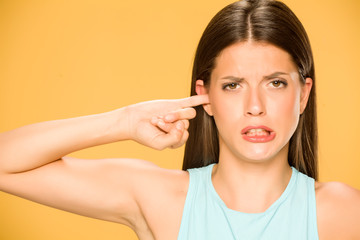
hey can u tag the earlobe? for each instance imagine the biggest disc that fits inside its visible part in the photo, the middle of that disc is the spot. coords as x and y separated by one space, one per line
201 90
305 93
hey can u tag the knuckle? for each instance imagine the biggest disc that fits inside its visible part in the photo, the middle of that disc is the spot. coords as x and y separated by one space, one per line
178 136
193 112
190 113
186 124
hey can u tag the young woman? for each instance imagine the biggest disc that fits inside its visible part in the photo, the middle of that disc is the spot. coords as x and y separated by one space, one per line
251 151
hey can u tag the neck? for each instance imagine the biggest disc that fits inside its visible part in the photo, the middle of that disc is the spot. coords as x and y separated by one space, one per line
251 186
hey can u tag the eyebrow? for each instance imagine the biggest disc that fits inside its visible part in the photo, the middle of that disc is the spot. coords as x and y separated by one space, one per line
233 78
273 75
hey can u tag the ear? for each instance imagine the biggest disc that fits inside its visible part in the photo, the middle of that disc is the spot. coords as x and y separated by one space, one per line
201 90
305 93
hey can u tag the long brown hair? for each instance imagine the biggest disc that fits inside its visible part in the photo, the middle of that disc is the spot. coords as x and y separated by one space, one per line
264 21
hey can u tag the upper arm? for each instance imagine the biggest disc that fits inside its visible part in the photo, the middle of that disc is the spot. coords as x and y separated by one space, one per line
105 188
338 207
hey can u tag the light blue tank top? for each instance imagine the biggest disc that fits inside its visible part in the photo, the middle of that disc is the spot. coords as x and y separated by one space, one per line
291 216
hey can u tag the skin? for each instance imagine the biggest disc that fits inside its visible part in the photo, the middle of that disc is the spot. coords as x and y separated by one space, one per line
275 101
137 193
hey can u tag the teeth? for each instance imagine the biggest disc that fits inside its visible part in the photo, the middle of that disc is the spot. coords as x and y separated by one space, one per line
257 132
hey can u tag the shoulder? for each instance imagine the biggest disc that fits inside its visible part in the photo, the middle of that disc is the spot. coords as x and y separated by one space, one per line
150 196
338 208
160 194
337 193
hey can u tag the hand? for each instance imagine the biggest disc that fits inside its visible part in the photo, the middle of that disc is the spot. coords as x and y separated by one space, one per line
162 123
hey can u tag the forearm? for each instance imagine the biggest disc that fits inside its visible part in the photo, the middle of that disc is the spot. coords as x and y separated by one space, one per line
35 145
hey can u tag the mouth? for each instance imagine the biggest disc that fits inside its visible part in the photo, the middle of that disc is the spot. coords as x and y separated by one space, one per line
258 134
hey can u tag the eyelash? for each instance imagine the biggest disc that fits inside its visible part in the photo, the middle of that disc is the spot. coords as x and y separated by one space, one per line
226 86
284 83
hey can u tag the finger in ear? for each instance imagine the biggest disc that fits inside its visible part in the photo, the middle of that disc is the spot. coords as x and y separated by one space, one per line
201 89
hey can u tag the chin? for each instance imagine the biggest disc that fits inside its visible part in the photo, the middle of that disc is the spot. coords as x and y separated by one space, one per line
255 158
256 152
260 154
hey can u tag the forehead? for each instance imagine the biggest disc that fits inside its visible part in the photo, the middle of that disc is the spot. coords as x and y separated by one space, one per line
250 58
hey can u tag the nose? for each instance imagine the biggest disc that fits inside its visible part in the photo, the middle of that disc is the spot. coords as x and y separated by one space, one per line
254 104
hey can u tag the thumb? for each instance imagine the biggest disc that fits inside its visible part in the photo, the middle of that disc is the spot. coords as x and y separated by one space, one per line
173 138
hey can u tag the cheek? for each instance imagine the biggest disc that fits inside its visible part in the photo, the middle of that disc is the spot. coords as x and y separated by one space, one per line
225 107
281 109
286 110
286 106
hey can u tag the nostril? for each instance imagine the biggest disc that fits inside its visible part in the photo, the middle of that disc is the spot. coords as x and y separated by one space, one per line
255 114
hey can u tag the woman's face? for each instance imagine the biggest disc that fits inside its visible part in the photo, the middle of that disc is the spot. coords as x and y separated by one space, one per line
256 99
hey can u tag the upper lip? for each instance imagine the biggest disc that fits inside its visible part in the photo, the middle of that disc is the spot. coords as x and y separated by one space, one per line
256 127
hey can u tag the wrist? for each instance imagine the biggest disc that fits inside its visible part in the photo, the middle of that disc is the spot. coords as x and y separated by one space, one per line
119 125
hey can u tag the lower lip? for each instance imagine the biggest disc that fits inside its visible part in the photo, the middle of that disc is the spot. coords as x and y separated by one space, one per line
259 139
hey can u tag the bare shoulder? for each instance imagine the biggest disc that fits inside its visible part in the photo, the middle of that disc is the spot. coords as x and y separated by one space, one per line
338 208
161 199
159 193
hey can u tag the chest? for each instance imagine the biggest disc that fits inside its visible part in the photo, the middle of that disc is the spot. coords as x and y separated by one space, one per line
292 216
270 225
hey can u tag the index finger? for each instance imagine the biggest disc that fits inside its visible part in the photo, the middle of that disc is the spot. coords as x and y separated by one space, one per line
195 100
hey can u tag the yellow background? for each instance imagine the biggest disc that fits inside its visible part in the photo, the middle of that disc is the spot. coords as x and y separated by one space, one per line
61 59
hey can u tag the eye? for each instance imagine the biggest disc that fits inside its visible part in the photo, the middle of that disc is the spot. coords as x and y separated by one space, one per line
278 83
231 86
